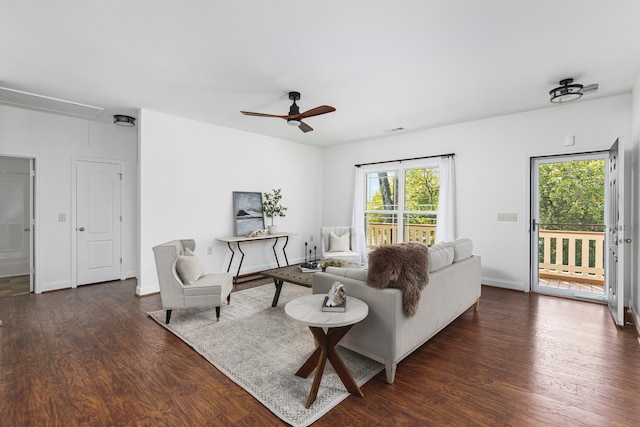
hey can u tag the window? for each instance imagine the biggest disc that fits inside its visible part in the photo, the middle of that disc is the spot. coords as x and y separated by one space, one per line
401 204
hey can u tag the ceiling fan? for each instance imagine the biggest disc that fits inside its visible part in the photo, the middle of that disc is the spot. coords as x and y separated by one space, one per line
294 118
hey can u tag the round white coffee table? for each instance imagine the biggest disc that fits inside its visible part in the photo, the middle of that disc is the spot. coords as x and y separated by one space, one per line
308 311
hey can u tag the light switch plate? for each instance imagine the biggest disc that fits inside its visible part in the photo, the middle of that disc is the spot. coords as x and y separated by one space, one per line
62 217
507 217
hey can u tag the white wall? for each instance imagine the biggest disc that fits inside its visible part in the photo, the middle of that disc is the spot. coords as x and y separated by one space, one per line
54 141
635 188
492 161
188 171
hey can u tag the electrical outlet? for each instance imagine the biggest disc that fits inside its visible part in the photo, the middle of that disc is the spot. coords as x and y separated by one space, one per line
311 238
507 217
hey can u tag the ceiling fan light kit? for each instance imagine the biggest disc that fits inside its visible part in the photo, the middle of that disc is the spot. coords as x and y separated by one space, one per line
294 118
566 92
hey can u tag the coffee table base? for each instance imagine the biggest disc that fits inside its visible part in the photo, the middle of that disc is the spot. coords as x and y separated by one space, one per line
326 343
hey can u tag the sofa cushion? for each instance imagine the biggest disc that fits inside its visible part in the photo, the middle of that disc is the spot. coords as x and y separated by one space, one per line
189 268
340 244
462 249
351 273
440 256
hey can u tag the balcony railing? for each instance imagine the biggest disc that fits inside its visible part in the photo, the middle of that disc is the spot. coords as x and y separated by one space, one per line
566 255
379 234
572 255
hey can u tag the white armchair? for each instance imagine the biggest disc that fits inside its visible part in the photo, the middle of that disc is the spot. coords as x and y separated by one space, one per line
337 243
183 283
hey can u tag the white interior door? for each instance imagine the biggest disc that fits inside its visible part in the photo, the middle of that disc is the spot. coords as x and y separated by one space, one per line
614 277
98 222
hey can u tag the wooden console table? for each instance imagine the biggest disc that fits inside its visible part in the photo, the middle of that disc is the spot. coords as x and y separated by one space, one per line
237 240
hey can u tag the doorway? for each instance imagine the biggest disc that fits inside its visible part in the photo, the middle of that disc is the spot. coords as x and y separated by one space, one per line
569 217
16 213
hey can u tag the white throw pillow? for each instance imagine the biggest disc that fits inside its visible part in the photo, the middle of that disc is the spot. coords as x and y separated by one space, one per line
340 244
189 268
462 249
440 256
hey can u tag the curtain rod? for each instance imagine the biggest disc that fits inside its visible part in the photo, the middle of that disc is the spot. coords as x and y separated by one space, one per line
406 160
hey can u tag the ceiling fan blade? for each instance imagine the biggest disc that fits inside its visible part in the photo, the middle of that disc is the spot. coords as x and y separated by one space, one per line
323 109
249 113
305 127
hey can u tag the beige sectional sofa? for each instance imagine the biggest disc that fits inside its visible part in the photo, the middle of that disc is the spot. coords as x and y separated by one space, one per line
387 335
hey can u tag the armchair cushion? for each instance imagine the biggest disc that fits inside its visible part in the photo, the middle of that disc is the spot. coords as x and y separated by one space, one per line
340 244
189 268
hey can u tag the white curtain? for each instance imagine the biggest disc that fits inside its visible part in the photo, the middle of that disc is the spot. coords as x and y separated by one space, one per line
445 222
357 221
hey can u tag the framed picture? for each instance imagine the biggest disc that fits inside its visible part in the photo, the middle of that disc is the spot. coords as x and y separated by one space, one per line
247 211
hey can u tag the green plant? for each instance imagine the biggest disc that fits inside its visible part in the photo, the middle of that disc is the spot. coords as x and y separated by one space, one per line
271 204
331 263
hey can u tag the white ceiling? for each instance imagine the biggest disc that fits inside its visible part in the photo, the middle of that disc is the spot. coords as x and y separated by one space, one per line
414 64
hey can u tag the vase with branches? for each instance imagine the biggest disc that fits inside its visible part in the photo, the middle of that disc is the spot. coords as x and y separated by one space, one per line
271 207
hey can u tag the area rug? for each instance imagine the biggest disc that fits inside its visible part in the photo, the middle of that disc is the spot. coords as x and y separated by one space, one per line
260 349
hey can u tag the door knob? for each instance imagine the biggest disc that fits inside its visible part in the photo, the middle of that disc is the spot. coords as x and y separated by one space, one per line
81 229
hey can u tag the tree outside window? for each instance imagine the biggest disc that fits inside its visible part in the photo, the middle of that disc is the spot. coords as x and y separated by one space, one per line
402 210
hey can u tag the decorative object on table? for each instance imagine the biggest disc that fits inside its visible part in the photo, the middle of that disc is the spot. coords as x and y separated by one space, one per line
258 233
309 266
309 269
271 207
266 367
247 211
336 300
331 263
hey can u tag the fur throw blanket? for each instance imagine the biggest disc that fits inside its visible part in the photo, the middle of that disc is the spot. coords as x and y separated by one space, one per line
404 266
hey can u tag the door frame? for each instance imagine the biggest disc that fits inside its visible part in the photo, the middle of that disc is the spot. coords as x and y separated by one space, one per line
34 184
530 208
534 211
74 206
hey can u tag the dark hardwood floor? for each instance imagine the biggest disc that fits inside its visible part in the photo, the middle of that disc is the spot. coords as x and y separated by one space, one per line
91 356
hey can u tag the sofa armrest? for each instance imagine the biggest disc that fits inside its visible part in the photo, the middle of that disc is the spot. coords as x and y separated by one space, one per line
372 336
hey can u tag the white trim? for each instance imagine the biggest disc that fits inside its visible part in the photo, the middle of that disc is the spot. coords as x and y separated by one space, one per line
532 273
74 248
507 284
35 205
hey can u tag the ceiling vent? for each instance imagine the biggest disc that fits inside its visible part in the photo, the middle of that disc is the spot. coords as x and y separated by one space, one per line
31 101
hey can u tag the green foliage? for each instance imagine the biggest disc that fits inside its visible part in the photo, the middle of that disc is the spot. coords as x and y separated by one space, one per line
572 193
422 188
271 204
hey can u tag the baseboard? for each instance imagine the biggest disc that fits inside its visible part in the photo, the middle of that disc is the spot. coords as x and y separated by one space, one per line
54 286
636 318
153 288
503 284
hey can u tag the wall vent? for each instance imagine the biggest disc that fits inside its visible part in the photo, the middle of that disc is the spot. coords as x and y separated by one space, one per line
31 101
